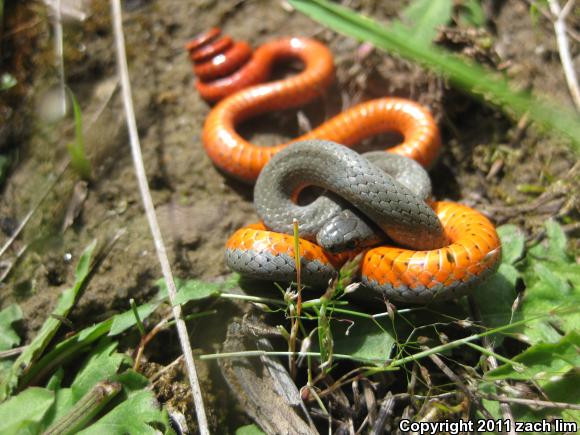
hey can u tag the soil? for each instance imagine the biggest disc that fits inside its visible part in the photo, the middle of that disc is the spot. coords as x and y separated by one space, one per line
503 167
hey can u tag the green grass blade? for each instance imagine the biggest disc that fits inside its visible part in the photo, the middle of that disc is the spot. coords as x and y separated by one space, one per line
469 76
76 149
51 325
425 16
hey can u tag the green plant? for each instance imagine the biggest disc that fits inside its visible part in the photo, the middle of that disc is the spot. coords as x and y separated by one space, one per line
76 149
471 77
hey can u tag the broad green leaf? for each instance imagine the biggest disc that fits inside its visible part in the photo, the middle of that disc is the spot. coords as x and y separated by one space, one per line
362 339
422 18
102 364
66 350
496 295
63 401
512 243
131 381
469 76
491 406
548 290
557 238
194 290
561 389
133 416
22 414
8 337
50 327
55 381
124 321
553 248
542 361
250 429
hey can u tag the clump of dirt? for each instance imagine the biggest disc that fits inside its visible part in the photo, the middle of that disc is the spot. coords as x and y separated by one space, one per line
493 163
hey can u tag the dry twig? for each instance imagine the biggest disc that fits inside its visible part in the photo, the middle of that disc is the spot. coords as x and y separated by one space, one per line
151 216
492 362
560 15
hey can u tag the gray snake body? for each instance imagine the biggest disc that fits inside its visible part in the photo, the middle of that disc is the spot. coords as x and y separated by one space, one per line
396 207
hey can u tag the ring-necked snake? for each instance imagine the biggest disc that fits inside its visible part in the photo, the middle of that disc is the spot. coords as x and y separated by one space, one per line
448 247
236 156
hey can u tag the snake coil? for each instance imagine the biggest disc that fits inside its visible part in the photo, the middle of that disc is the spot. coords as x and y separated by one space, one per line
233 75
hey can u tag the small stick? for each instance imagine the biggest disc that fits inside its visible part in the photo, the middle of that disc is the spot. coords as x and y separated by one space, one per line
85 409
152 218
560 15
298 268
31 212
59 55
532 402
138 320
492 361
295 319
574 35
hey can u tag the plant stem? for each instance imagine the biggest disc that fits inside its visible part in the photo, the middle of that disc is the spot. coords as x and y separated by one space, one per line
152 218
85 409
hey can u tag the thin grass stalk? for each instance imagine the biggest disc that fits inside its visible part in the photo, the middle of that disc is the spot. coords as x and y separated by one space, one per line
470 76
564 47
58 38
151 216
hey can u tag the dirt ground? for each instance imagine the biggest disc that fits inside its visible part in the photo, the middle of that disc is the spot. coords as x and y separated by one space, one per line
501 166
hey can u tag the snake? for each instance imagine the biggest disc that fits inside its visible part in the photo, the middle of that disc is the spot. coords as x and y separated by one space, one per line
233 82
441 249
436 250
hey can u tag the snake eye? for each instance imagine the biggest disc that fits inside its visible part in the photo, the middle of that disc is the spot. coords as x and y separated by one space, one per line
351 244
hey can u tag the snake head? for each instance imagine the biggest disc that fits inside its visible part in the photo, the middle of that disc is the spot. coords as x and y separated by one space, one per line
348 231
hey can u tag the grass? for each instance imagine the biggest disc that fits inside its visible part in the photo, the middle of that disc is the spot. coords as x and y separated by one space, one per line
76 149
527 321
481 83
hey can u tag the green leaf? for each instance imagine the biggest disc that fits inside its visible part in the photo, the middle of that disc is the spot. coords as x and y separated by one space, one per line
491 406
8 337
542 361
553 249
131 381
102 364
363 339
471 14
193 290
250 429
126 320
466 75
66 350
549 288
133 416
50 327
496 295
63 401
422 18
22 414
78 156
557 390
512 243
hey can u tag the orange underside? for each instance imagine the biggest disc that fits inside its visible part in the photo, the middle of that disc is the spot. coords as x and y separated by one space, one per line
234 79
474 248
